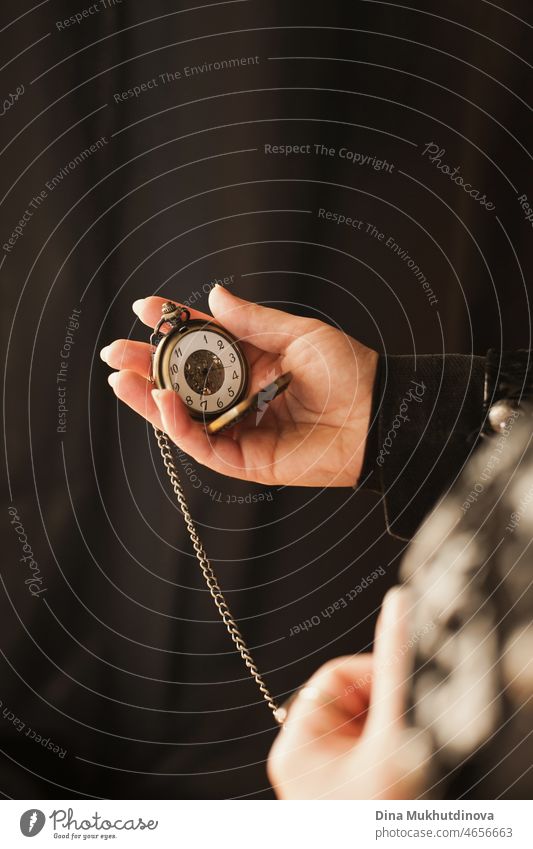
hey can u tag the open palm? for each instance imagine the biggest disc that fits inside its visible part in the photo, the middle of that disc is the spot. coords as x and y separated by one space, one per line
312 435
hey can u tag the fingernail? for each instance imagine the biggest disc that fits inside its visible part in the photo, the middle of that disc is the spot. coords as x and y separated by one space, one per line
137 305
104 353
112 379
218 286
157 395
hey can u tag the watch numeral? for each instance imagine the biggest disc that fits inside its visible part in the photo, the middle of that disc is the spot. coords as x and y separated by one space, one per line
220 403
176 387
231 393
235 376
174 369
189 400
220 344
232 358
203 404
177 351
205 339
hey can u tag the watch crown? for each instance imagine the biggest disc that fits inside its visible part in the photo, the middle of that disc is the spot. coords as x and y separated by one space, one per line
168 308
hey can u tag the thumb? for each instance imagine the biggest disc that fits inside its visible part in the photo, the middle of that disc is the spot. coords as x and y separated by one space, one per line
266 328
397 766
411 764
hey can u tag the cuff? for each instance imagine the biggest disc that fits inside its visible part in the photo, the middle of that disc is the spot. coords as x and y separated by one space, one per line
426 419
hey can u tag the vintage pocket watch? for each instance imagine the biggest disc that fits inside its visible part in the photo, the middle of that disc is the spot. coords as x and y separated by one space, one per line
205 365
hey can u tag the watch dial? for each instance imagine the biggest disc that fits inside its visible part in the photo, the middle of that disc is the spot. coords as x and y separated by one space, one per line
206 370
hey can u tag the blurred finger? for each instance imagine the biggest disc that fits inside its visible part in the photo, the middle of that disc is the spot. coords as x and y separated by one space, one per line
335 699
392 663
410 763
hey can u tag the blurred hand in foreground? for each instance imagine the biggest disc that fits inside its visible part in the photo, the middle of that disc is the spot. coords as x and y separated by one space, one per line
345 735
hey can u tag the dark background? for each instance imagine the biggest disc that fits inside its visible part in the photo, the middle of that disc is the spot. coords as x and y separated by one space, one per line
122 662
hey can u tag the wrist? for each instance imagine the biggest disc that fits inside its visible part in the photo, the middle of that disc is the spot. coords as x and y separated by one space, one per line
364 421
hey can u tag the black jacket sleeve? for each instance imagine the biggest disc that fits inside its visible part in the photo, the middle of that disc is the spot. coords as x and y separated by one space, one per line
426 420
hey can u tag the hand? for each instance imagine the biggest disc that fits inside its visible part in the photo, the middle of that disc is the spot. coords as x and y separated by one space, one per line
345 736
312 435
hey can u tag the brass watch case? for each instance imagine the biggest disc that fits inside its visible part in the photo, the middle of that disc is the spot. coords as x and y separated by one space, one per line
163 353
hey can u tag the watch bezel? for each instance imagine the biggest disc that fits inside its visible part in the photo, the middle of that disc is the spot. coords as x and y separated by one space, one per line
163 352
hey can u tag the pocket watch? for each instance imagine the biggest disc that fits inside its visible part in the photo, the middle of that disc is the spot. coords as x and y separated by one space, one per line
200 361
206 366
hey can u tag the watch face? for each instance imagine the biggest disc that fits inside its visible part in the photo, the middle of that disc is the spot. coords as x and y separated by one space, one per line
205 366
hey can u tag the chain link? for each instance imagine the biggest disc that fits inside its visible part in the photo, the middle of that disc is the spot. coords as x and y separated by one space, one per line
210 577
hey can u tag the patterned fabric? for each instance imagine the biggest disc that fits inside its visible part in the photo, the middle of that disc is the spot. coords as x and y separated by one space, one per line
470 569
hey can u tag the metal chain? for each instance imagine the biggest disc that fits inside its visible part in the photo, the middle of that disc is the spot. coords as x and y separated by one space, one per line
210 577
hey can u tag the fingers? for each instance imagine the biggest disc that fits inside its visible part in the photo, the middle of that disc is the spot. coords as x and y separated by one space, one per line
136 393
164 409
220 453
410 764
136 356
335 699
257 328
267 329
326 716
392 663
127 354
149 310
